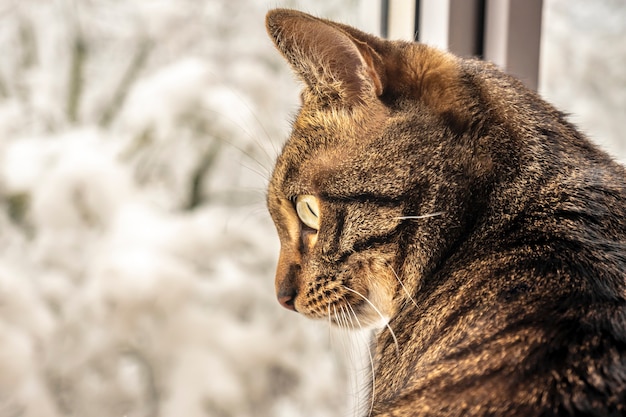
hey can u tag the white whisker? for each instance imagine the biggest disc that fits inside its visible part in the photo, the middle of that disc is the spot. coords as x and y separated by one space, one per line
246 128
393 335
241 149
344 320
423 216
336 316
346 316
353 314
354 356
408 294
342 323
371 363
330 321
264 175
339 320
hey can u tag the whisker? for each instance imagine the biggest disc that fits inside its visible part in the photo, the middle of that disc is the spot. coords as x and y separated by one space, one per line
262 126
340 326
338 319
371 363
393 335
330 322
265 174
346 316
332 332
245 128
242 148
408 294
266 171
355 350
354 356
423 216
343 325
353 314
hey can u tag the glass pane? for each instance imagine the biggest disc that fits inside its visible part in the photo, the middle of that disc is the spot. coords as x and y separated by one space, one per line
582 67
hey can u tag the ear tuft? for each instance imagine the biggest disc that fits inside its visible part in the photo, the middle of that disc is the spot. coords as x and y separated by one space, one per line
334 65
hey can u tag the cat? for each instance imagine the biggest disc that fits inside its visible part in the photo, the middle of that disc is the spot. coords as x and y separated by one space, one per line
440 202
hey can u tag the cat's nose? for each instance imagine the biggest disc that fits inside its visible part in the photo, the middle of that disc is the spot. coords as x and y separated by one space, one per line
287 282
287 300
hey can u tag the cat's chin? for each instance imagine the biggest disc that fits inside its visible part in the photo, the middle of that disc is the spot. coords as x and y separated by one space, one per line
373 319
367 320
375 323
366 314
371 312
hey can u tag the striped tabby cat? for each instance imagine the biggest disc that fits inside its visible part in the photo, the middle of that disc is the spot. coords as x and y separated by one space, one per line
441 202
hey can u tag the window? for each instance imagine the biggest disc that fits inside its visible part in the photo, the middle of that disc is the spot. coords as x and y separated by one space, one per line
506 32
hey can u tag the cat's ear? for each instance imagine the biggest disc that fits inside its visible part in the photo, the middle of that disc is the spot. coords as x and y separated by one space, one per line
331 62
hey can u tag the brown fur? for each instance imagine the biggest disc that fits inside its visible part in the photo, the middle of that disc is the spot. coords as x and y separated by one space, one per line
510 299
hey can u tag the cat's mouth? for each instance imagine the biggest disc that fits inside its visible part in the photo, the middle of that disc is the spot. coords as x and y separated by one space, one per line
347 307
360 295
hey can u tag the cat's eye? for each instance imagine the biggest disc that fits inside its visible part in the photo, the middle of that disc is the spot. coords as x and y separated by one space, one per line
308 209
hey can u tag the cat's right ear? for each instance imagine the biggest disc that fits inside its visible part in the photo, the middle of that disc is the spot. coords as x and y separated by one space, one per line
334 65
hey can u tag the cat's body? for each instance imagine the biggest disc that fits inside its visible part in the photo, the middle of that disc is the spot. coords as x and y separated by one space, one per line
440 197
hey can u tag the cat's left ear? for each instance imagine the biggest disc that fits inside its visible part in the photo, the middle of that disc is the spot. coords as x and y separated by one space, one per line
332 63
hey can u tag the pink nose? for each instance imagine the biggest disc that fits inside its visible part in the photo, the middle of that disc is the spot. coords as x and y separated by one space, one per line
287 301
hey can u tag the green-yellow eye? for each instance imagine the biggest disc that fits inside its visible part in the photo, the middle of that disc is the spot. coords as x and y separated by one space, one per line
308 209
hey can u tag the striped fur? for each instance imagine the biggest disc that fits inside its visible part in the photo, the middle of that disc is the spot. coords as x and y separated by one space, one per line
464 215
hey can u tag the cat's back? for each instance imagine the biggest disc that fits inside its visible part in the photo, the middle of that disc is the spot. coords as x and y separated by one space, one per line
529 312
553 186
526 315
527 322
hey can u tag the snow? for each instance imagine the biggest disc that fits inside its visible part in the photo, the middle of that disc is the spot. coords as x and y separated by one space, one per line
136 254
582 59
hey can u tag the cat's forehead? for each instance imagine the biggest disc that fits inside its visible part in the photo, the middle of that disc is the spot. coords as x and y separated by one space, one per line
307 158
320 119
326 141
324 123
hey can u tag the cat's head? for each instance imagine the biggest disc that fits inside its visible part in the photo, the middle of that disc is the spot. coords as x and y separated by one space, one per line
360 173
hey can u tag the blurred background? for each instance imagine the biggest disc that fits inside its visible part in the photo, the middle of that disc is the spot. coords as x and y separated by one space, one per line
136 254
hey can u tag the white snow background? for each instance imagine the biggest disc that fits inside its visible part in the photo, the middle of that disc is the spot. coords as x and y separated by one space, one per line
136 255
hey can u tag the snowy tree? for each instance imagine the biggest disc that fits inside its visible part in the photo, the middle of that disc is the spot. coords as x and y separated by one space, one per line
136 255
